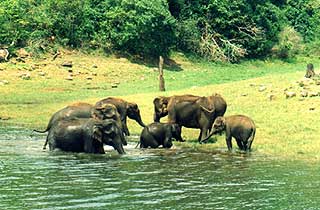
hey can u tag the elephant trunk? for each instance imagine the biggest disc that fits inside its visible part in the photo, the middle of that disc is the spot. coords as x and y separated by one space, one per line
119 148
156 117
139 120
206 139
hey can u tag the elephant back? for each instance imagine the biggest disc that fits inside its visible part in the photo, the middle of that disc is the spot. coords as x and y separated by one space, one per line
220 104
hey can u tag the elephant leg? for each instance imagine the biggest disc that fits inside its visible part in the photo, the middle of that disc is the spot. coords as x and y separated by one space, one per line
148 141
229 143
250 140
101 150
125 128
203 134
45 144
241 144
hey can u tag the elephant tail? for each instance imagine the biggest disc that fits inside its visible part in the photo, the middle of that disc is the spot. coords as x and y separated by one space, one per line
137 144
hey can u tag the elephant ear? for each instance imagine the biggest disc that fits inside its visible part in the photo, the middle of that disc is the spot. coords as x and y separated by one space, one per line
156 100
97 133
109 128
134 106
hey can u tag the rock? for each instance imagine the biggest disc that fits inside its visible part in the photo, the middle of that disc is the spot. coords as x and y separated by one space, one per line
244 94
290 94
312 108
271 97
42 73
114 86
5 118
304 93
25 76
67 64
5 82
69 77
305 82
2 69
313 94
22 53
94 66
4 54
252 84
262 88
20 60
94 74
89 78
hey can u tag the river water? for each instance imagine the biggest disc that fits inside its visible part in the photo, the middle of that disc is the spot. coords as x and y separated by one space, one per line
178 178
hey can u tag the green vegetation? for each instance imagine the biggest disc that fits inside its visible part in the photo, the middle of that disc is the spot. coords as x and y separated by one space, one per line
219 30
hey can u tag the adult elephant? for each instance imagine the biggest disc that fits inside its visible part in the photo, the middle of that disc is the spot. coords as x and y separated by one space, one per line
161 104
85 110
125 109
199 113
85 135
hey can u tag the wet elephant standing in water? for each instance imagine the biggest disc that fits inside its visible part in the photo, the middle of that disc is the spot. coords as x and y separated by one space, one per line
156 134
199 113
84 110
85 135
125 109
240 127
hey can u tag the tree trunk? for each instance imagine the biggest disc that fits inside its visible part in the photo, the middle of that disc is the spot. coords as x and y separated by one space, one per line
161 79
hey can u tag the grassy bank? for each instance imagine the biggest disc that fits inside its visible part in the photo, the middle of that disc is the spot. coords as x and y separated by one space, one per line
285 127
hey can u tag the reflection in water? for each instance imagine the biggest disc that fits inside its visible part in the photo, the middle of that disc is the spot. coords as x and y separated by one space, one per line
149 179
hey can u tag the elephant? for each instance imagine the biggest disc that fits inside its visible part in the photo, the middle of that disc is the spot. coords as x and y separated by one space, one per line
156 134
85 110
85 135
199 113
125 109
161 104
241 127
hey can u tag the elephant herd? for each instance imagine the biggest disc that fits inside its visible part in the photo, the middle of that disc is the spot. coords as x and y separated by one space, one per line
83 127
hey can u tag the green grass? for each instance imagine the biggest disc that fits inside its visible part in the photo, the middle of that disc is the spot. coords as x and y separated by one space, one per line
285 127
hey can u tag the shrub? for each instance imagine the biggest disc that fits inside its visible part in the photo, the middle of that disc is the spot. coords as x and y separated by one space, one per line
141 27
290 43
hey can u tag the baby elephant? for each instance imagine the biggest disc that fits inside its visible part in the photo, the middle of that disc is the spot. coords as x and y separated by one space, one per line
156 134
241 127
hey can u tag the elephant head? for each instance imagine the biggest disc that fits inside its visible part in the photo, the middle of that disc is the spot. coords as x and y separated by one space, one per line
109 133
160 107
218 126
109 111
176 132
133 112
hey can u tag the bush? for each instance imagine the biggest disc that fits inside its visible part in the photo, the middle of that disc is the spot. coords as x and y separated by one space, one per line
141 27
228 30
290 43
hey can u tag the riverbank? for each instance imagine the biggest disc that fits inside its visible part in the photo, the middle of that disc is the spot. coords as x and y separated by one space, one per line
286 127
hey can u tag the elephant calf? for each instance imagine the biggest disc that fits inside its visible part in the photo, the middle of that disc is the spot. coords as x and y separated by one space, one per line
241 127
156 134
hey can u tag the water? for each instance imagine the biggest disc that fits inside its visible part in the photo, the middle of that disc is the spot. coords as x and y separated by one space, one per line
149 179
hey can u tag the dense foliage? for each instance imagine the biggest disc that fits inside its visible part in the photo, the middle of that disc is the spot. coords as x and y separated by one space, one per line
223 30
